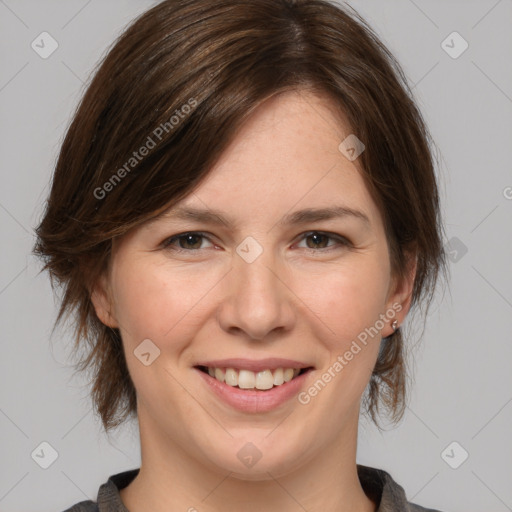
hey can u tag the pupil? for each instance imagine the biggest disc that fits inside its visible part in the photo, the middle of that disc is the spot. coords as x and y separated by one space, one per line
317 236
189 240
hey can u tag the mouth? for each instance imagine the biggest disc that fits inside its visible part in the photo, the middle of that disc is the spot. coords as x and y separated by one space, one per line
254 386
245 379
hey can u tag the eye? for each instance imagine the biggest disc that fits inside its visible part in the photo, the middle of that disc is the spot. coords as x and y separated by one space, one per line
320 240
190 241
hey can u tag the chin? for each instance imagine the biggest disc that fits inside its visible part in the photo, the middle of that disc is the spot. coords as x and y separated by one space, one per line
253 461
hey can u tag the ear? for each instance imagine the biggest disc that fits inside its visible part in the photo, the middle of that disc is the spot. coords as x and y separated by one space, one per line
102 302
400 297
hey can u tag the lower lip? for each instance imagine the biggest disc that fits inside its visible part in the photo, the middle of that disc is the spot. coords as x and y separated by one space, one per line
252 400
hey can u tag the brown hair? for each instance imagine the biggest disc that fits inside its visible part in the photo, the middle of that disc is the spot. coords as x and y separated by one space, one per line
179 81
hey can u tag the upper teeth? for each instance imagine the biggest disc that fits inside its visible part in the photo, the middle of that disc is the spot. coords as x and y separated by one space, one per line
247 379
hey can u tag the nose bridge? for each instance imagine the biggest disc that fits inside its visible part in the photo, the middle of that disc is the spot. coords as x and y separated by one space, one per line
258 301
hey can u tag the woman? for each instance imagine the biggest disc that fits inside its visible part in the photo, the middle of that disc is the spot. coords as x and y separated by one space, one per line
243 213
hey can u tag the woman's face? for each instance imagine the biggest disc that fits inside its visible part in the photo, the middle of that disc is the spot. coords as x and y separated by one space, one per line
285 266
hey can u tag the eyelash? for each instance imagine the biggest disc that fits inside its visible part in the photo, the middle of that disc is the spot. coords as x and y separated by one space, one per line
168 243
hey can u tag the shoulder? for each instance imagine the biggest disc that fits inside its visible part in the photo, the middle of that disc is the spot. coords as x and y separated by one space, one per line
84 506
109 499
418 508
388 494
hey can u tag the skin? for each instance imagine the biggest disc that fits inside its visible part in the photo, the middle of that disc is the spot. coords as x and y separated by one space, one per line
305 298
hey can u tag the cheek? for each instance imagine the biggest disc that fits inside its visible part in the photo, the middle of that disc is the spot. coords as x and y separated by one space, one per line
348 299
349 302
156 302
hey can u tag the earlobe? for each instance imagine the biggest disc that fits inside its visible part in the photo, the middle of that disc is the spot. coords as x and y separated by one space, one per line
101 300
401 298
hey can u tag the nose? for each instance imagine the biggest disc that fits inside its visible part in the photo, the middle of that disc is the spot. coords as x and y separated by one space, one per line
258 303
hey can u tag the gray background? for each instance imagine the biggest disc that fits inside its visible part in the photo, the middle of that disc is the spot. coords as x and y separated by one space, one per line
463 390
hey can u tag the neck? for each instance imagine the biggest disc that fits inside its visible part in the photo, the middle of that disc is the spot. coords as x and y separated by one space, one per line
170 480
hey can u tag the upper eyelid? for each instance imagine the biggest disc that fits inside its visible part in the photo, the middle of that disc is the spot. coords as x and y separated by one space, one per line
343 240
167 241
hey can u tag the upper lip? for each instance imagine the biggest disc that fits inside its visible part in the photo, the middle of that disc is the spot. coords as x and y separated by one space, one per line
255 365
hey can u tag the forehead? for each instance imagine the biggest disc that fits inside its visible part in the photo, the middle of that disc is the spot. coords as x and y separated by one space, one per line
285 157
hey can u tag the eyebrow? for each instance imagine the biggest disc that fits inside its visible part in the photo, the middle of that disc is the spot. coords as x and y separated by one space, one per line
299 217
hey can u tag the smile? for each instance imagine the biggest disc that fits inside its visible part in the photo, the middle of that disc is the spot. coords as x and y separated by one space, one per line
247 379
254 386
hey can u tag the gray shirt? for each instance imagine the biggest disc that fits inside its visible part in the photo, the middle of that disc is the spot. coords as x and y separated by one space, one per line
376 483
